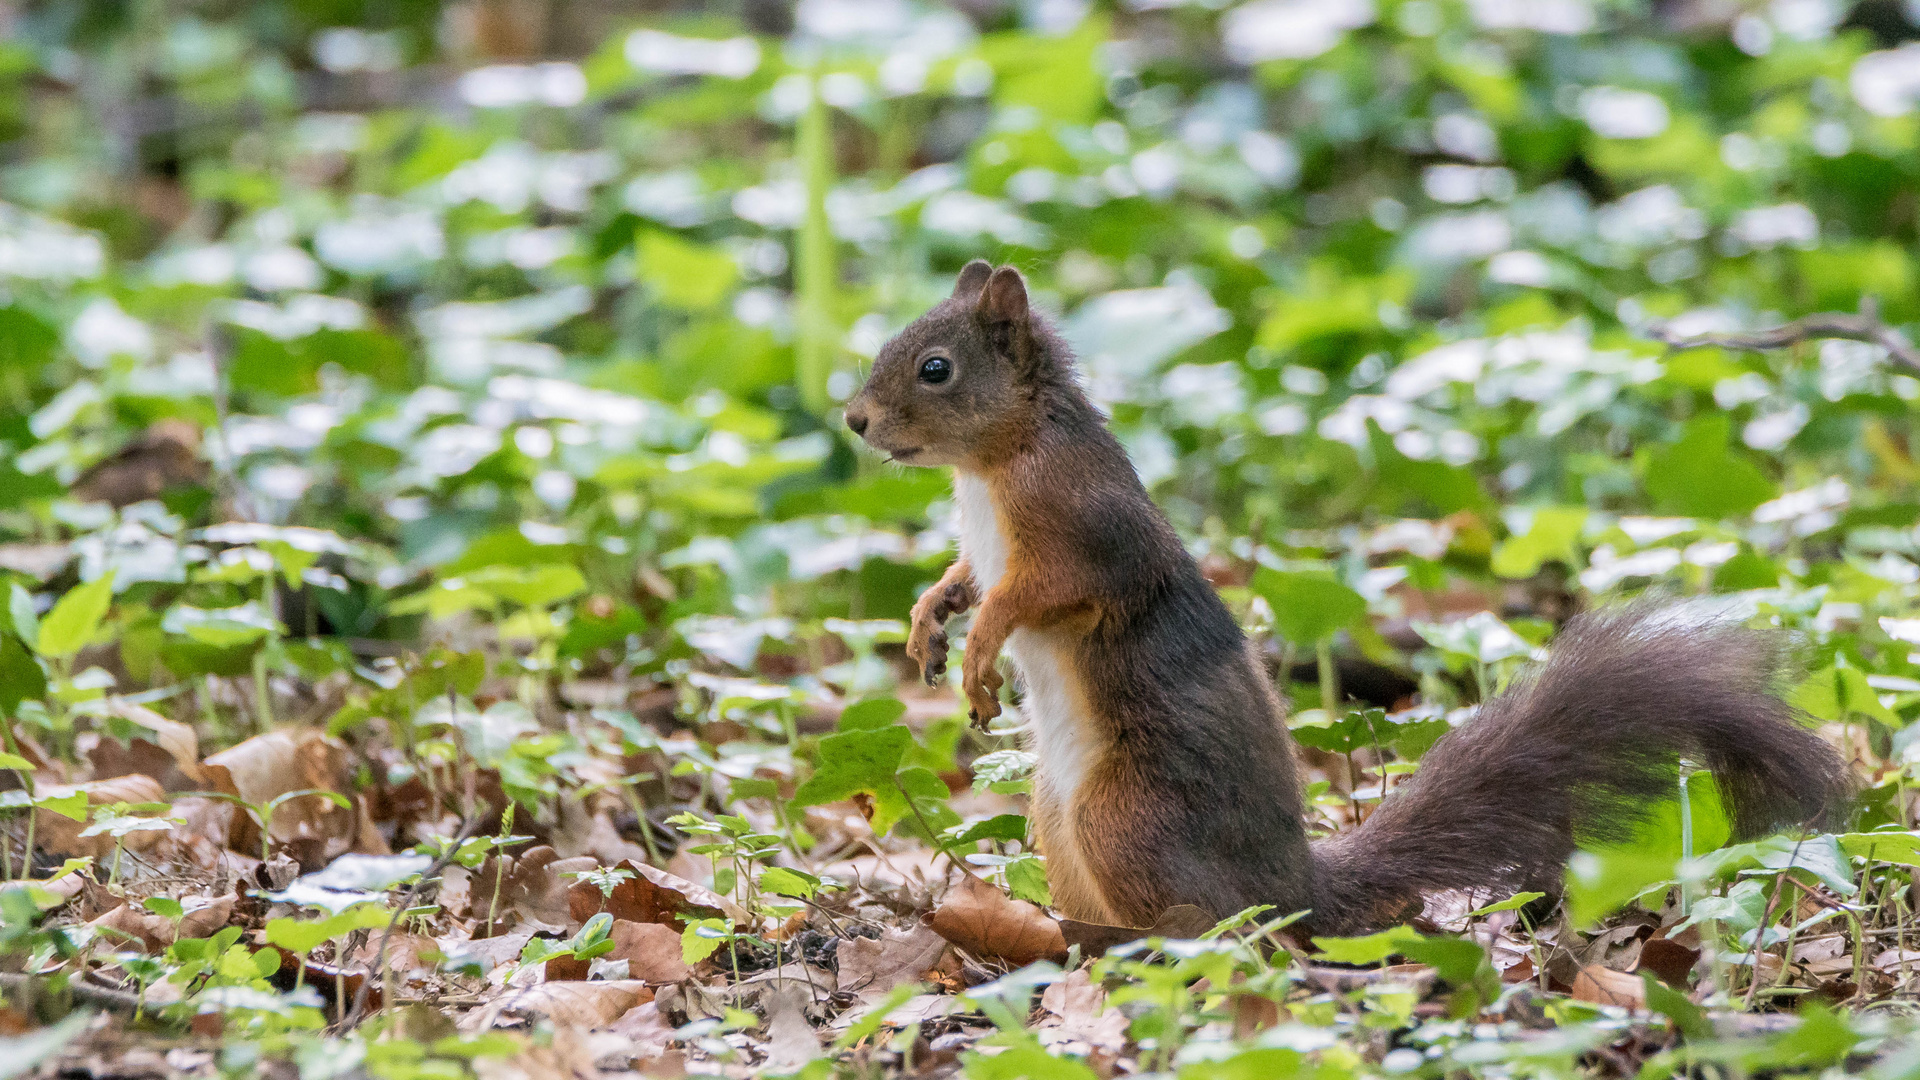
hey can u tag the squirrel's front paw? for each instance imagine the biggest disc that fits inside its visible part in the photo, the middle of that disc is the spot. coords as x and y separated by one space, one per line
981 683
927 640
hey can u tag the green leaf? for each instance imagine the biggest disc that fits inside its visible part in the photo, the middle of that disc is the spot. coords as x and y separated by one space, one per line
1690 1019
20 610
1836 692
685 275
1027 880
1308 608
1370 949
1005 828
1895 847
20 676
15 762
702 938
1551 534
164 906
783 881
853 762
872 713
72 805
1601 882
1512 903
1700 476
72 623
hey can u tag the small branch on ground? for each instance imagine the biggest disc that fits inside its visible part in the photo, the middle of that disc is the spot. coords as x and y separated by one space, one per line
1866 326
378 971
85 993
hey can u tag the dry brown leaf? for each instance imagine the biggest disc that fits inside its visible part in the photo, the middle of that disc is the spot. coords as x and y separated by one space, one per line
1183 921
60 835
1669 960
530 886
652 951
1080 1022
647 1033
650 896
987 923
791 1040
1605 986
872 968
172 736
129 926
567 1004
588 830
270 765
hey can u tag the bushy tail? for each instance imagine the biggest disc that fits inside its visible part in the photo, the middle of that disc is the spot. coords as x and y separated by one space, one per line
1585 747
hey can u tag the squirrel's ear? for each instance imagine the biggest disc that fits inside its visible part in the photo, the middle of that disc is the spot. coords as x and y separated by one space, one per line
1004 299
1003 308
973 278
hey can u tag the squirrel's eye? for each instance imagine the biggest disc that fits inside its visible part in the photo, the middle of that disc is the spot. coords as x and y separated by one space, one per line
936 370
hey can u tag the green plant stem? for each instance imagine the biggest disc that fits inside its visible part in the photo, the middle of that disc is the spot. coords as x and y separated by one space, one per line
262 696
814 262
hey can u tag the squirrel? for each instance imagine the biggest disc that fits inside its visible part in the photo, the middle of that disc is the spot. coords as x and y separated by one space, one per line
1165 772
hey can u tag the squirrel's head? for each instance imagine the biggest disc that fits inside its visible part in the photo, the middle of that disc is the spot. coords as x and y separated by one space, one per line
944 386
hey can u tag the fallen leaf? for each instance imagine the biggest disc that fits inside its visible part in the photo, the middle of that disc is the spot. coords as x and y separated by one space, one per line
130 925
530 886
59 835
268 766
1670 960
647 1033
1080 1022
987 923
652 951
172 736
1182 921
651 895
567 1004
791 1040
1605 986
872 967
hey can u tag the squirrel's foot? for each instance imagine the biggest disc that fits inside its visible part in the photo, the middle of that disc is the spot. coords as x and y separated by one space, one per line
981 683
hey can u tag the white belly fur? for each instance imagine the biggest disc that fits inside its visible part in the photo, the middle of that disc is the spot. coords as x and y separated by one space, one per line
1060 728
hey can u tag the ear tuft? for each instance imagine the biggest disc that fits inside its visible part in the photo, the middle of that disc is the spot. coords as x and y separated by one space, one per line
1004 299
973 278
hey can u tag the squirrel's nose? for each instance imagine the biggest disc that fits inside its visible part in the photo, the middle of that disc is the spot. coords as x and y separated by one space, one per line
857 419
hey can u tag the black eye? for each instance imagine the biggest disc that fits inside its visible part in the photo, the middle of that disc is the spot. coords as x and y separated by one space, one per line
936 370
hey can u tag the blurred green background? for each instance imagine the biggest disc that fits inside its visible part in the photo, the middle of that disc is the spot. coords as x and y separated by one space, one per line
538 312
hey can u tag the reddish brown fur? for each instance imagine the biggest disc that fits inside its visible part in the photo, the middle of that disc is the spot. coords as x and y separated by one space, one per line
1183 789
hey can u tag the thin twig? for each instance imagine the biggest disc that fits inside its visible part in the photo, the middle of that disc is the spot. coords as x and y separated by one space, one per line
467 828
84 992
1866 326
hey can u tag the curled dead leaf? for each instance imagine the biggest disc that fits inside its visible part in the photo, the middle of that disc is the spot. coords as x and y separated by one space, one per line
530 887
651 896
175 738
268 766
567 1004
131 926
1605 986
60 835
986 922
872 967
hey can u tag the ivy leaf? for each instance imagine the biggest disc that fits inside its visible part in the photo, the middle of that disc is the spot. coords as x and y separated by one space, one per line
853 762
1308 608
